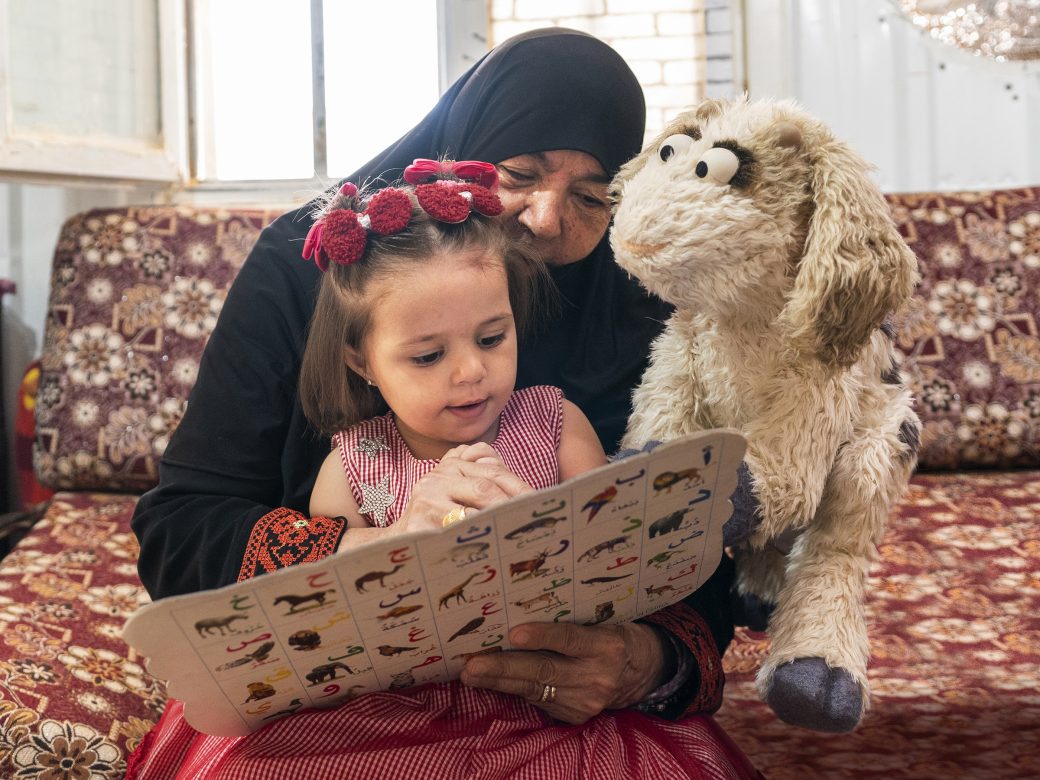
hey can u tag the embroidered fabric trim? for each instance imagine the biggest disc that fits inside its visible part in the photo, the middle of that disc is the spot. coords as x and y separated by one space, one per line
284 537
696 686
682 666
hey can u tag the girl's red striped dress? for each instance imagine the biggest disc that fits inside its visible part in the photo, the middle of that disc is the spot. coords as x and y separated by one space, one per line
447 730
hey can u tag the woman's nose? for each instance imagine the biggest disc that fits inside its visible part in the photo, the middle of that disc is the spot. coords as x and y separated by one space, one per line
542 214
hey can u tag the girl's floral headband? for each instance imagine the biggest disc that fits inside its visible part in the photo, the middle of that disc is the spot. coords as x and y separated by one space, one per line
445 190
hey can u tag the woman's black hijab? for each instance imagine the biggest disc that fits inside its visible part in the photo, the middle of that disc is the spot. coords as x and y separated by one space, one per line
541 91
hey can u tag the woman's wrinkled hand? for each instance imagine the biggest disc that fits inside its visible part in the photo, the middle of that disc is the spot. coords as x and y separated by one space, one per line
471 476
593 668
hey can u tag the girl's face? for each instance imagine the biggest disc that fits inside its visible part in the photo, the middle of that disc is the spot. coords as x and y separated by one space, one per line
442 350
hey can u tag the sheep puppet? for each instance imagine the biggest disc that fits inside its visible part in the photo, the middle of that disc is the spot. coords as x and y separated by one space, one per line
781 259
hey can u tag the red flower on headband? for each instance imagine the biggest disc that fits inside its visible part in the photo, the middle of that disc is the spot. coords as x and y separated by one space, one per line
423 171
342 234
343 238
451 201
312 246
389 211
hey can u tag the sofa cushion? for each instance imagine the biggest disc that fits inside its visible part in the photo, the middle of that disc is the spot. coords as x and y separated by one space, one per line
952 607
135 293
968 339
70 688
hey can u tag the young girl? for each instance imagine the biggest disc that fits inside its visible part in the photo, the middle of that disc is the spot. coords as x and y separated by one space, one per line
411 357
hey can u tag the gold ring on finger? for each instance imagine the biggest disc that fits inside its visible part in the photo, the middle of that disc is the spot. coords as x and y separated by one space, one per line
454 516
548 695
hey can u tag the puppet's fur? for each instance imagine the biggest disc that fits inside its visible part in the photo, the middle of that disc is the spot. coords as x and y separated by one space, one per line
781 281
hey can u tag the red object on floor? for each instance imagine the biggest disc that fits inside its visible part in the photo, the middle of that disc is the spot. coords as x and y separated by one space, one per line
32 493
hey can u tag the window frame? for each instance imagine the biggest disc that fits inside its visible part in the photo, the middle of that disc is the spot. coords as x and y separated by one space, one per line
48 157
462 29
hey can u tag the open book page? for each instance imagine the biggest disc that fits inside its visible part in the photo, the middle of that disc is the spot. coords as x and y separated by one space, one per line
611 545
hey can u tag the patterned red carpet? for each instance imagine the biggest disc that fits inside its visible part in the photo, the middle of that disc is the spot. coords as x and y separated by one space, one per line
955 629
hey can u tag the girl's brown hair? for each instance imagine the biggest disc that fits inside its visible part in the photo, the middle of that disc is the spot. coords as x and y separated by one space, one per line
332 395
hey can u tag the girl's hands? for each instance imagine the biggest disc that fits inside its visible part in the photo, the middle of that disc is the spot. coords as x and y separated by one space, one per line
471 476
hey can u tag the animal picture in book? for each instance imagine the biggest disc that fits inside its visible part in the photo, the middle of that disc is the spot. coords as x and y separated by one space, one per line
598 501
293 706
375 576
388 651
468 628
605 501
327 672
604 580
536 566
659 590
219 626
616 543
604 611
543 601
298 603
261 653
259 690
666 480
305 639
667 524
539 526
772 241
455 595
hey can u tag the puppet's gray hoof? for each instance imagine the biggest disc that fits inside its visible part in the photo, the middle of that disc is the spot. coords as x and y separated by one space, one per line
807 692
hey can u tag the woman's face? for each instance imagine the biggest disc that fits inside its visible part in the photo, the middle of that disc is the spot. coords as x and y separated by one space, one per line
560 199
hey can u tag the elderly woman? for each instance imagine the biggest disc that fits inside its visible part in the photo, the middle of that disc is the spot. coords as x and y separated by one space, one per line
558 112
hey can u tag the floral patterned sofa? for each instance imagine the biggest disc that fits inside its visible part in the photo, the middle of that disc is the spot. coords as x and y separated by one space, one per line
135 292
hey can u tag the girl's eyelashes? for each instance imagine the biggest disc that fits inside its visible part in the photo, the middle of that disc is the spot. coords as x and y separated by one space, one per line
492 341
428 359
485 342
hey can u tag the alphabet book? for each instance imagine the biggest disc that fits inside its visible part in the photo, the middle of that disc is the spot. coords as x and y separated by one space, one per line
611 545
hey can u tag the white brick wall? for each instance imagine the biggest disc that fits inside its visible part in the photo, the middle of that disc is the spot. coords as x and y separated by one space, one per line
680 50
721 81
542 9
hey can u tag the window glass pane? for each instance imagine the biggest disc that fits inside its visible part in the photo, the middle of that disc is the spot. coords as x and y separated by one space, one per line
381 75
85 67
253 89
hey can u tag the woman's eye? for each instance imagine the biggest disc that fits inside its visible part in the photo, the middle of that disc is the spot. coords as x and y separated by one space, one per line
593 202
426 360
491 341
517 177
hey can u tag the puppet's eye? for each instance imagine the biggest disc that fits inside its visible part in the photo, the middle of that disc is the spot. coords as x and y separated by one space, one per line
674 144
718 165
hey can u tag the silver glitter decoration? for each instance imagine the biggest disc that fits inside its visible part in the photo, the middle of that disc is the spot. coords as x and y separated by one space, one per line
377 499
372 447
1000 29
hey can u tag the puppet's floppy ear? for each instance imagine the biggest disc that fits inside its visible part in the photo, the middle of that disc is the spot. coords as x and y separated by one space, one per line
855 268
711 108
